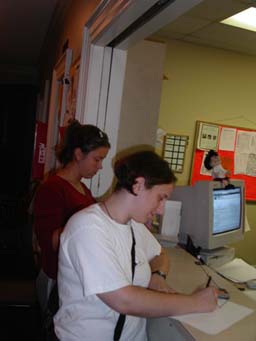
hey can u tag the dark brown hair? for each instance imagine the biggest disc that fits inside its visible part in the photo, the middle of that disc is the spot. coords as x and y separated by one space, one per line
146 164
87 137
207 160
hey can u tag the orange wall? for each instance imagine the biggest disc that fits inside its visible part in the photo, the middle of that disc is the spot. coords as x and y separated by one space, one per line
67 24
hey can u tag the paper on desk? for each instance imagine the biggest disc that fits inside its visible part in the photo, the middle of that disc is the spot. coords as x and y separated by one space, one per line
218 320
251 294
237 271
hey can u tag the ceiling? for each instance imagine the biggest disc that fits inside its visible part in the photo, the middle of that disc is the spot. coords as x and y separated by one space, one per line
201 25
23 26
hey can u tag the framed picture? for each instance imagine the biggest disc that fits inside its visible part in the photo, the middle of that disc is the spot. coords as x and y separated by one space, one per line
208 136
71 100
174 151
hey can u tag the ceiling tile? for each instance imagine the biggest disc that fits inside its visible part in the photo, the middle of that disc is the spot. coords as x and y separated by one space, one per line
168 35
217 9
201 25
185 24
225 33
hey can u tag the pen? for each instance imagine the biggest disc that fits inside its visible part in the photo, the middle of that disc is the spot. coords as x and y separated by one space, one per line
209 281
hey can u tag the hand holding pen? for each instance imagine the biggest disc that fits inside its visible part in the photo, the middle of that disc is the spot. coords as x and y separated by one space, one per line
209 281
222 293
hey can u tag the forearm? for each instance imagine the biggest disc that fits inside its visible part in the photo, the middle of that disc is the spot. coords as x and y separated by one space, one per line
48 234
160 263
56 238
142 302
148 303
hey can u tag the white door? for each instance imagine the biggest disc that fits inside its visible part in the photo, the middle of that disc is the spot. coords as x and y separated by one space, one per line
102 73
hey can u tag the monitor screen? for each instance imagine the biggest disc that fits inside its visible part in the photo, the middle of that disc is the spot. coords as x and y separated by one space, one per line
226 210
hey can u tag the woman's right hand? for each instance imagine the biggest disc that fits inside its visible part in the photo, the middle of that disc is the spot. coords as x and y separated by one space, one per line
206 299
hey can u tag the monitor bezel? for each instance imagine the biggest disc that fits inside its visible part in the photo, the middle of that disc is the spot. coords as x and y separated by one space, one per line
197 202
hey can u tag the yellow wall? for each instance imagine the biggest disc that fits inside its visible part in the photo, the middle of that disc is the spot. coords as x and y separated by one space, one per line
212 85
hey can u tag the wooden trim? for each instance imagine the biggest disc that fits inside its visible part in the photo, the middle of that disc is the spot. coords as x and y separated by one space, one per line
45 101
83 75
113 16
111 10
60 71
186 139
65 83
198 122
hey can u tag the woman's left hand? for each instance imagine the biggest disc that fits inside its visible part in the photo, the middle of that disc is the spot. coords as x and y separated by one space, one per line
158 283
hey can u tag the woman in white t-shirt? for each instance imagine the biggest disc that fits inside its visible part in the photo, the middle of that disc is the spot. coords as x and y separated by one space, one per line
95 279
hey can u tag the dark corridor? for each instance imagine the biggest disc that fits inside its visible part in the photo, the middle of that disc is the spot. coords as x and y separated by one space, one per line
19 311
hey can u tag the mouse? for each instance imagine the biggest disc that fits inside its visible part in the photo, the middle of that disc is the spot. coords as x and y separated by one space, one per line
251 284
222 293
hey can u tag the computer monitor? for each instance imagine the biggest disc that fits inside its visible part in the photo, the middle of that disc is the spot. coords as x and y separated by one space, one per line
212 216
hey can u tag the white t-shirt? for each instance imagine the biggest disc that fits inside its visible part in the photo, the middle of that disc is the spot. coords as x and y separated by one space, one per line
95 257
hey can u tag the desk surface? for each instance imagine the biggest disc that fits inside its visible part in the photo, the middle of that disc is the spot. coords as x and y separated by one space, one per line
185 276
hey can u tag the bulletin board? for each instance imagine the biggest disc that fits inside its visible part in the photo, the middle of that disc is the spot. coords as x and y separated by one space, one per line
237 149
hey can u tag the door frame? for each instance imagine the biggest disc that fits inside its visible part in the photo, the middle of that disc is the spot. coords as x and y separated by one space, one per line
102 69
59 74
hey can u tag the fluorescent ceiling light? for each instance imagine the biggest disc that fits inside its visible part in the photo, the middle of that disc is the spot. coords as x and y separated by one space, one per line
245 19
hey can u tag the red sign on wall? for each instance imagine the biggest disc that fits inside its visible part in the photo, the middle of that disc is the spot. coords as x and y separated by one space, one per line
39 150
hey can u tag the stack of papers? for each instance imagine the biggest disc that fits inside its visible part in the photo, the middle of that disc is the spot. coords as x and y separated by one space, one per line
237 271
171 219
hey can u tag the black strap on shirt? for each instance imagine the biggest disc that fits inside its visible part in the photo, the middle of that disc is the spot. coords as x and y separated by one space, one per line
121 320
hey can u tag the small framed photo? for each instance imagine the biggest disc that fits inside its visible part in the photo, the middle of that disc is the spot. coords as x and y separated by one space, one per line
174 151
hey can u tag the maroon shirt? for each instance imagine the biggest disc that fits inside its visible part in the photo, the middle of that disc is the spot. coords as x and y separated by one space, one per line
55 202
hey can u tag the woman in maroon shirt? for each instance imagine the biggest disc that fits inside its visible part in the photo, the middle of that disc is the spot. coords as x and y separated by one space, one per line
81 155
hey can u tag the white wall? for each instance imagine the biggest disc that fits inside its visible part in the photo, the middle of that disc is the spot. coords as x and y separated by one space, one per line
141 95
